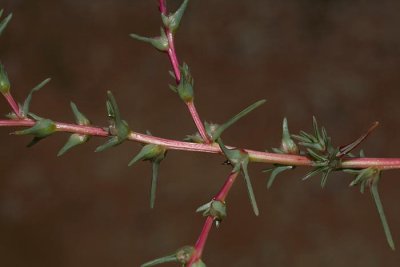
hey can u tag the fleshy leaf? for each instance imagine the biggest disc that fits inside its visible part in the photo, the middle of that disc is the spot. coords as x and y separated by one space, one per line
25 107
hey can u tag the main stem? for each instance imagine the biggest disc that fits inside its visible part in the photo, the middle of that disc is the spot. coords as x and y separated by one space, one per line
255 156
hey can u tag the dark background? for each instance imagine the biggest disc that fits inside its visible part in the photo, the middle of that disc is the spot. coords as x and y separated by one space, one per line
338 60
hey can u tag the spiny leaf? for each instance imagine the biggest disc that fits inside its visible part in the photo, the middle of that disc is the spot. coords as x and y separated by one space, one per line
153 190
235 118
379 206
275 171
73 141
239 160
4 82
344 150
118 128
79 117
155 154
314 172
4 22
250 188
169 258
113 141
25 107
160 42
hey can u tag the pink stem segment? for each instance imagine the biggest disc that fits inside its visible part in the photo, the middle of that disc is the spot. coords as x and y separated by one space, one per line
201 241
13 104
197 121
175 66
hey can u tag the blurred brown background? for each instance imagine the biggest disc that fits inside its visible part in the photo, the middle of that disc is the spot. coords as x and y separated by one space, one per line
338 60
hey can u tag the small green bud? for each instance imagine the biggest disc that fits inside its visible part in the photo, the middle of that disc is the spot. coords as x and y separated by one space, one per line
215 209
288 146
199 263
118 128
184 254
172 21
4 82
239 159
181 256
185 86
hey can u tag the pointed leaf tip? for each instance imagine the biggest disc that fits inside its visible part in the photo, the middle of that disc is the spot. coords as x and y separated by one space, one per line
73 141
25 107
4 22
218 132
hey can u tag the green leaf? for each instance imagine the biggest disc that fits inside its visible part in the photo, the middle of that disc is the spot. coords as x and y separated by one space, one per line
185 87
4 82
119 128
79 117
250 188
169 258
113 141
239 160
235 118
277 170
153 190
379 206
73 141
25 107
155 154
40 130
160 42
4 22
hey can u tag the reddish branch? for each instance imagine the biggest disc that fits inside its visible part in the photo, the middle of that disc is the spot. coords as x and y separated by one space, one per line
175 66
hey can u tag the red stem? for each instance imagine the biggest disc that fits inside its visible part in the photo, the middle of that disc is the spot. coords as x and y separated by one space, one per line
255 156
175 66
197 121
13 104
201 241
